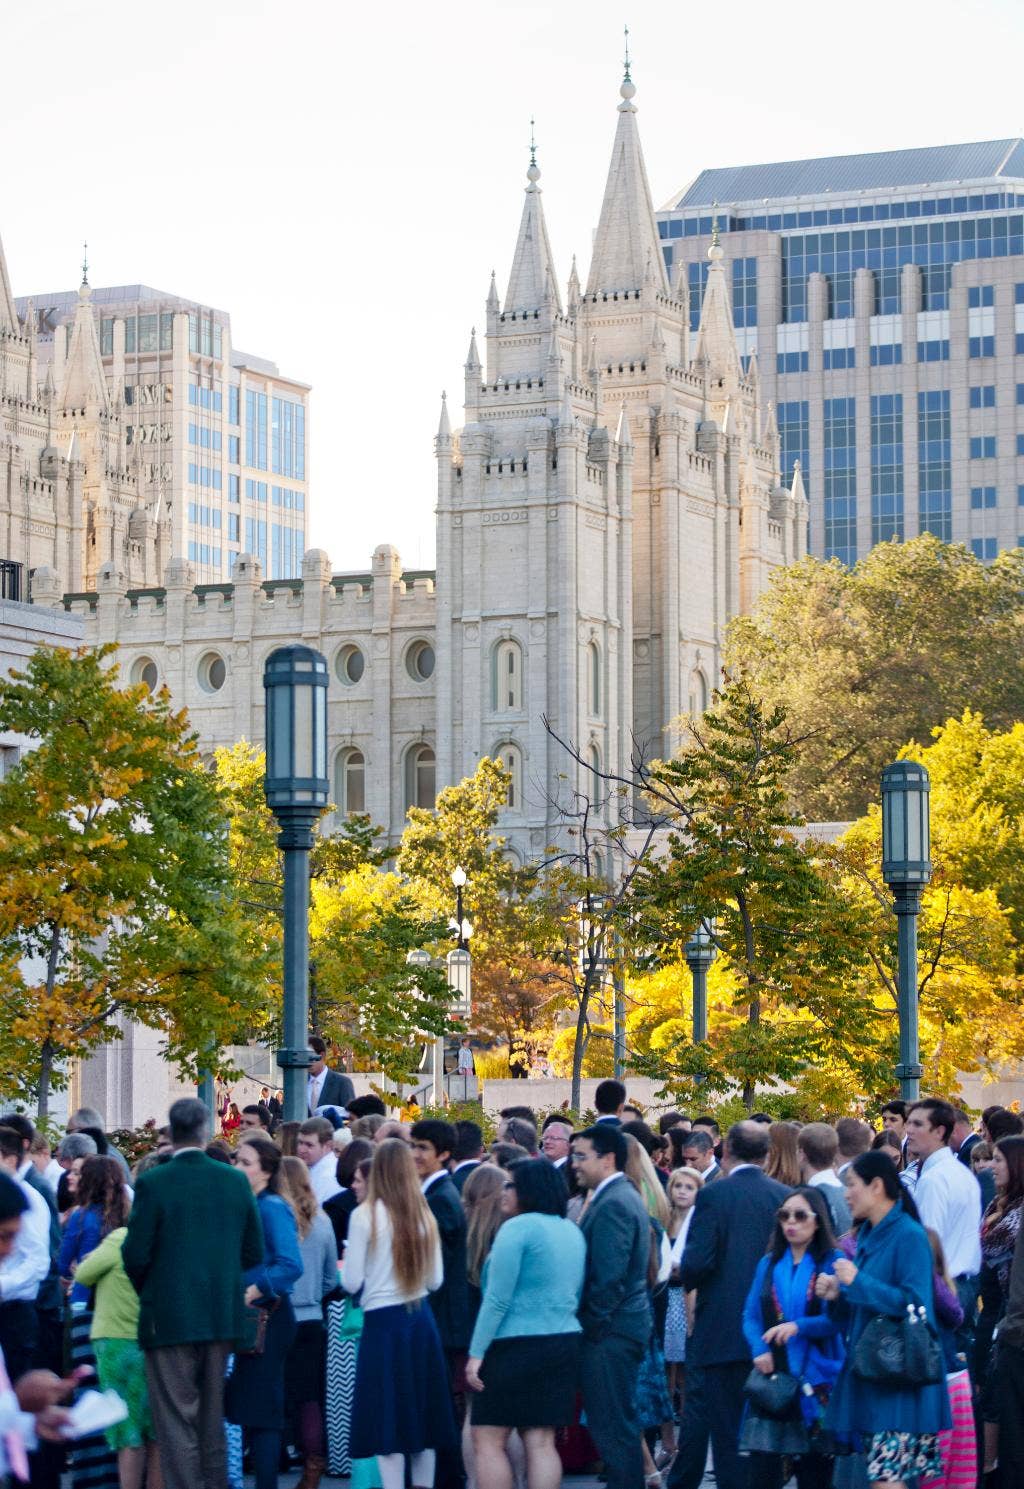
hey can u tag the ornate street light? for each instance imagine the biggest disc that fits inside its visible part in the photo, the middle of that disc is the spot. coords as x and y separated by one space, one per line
700 952
296 788
907 868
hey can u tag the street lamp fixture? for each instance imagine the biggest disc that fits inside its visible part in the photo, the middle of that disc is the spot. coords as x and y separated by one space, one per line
296 789
907 868
459 926
700 952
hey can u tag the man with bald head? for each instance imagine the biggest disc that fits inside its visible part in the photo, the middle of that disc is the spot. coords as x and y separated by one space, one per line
732 1221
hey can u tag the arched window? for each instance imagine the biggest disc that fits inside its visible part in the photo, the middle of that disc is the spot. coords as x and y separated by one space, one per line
512 760
420 777
507 678
350 782
594 677
593 758
698 693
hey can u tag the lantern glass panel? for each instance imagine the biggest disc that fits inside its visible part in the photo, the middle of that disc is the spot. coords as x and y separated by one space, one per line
303 734
319 732
897 818
913 800
280 763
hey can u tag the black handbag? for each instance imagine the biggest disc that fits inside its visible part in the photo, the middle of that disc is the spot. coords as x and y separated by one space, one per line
772 1395
901 1351
253 1338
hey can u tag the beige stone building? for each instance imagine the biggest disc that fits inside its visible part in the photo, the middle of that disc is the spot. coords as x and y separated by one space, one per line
611 499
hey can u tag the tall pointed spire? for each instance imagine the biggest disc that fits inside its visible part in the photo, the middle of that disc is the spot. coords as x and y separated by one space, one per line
83 379
532 278
8 315
472 356
626 232
444 428
573 297
716 338
493 302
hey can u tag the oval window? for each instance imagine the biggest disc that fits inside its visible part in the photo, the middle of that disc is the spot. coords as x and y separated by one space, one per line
213 672
420 661
350 666
144 671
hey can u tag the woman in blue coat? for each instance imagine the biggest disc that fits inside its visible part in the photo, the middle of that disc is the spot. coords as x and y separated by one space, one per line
787 1327
896 1426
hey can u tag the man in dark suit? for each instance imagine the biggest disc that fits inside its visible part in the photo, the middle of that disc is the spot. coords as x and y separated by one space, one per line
433 1144
728 1235
326 1087
193 1230
609 1099
698 1152
468 1152
615 1309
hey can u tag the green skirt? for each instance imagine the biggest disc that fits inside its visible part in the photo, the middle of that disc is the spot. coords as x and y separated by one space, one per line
121 1367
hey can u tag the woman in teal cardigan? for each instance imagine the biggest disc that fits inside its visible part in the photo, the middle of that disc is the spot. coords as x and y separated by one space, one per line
524 1353
897 1426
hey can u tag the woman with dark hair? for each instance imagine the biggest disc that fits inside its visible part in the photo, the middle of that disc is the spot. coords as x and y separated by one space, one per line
524 1353
788 1329
254 1394
1000 1232
344 1317
897 1426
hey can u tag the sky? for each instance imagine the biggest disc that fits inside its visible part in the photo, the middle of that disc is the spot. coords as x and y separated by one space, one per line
342 179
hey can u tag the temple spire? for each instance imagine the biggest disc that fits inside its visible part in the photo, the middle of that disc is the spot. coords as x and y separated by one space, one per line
716 339
627 234
532 280
8 315
83 380
444 428
472 356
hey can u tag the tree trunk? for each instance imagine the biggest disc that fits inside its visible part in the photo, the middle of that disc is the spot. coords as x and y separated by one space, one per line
579 1049
46 1054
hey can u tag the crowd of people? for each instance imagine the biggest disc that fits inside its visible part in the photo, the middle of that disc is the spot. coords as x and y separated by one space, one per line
402 1303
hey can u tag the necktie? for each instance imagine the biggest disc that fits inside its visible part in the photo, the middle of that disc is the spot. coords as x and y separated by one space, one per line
17 1457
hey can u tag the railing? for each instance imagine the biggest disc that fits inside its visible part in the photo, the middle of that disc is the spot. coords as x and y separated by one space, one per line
457 1087
11 579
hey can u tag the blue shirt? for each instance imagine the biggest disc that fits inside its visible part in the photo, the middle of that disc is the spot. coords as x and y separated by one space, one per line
532 1281
281 1267
815 1353
82 1234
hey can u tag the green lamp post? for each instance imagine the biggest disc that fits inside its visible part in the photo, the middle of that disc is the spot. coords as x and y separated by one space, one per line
907 868
296 788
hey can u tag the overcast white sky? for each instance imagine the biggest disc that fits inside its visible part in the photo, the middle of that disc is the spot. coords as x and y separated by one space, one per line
342 178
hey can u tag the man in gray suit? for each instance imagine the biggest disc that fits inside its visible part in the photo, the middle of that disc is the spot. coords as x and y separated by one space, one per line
615 1310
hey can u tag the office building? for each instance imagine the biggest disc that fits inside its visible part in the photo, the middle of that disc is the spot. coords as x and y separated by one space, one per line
884 295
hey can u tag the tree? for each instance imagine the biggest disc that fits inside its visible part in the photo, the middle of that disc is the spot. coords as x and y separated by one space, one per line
786 938
116 892
862 660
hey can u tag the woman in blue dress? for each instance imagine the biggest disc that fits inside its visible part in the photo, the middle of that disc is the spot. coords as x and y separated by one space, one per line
789 1329
897 1427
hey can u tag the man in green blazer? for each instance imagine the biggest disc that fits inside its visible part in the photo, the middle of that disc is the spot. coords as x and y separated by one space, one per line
193 1229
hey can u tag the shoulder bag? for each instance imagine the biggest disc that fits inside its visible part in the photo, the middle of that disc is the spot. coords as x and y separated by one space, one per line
901 1351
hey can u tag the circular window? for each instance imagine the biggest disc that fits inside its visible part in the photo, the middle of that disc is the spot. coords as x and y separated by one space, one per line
213 672
420 661
350 665
144 671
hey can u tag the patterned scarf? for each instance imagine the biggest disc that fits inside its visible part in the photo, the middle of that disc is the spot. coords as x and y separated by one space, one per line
998 1240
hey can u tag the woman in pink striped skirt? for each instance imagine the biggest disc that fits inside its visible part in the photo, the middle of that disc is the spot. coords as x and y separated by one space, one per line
957 1444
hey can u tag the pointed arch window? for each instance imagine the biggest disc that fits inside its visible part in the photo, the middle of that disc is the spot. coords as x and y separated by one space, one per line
698 693
350 781
507 677
420 777
594 689
512 760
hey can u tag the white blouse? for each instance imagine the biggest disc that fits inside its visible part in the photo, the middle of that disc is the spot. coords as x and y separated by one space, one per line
372 1268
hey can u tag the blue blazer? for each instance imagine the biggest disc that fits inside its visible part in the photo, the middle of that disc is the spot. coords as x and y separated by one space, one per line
894 1268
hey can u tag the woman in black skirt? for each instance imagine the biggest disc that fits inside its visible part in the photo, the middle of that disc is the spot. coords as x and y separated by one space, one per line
524 1354
402 1407
254 1393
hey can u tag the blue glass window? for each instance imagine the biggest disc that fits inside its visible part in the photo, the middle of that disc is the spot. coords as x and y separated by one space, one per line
288 438
1020 392
106 337
933 351
982 497
234 485
840 489
256 429
984 396
234 527
983 446
233 404
1020 496
697 277
934 472
256 538
984 548
889 354
794 440
979 295
836 357
234 449
744 291
981 346
1020 444
791 362
886 467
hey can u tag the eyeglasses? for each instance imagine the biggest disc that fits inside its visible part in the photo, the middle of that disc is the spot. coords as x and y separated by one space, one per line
792 1215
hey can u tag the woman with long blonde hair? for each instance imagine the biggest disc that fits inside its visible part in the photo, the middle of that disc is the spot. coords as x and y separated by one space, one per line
305 1368
783 1155
654 1405
402 1408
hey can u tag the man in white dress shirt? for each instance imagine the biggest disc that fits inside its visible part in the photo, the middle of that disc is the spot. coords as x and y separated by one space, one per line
24 1268
948 1199
315 1146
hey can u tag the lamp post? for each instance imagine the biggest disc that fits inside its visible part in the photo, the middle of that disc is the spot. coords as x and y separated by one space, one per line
296 788
700 953
907 868
459 973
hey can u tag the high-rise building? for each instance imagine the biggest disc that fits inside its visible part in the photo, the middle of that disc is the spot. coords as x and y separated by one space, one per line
884 294
216 439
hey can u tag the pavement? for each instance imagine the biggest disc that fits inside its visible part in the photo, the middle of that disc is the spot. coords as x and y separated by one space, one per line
570 1481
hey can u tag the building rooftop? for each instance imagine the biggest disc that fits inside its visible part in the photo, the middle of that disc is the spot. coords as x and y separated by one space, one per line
112 294
884 170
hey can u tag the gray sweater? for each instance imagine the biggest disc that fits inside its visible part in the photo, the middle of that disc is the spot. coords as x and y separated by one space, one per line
319 1270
